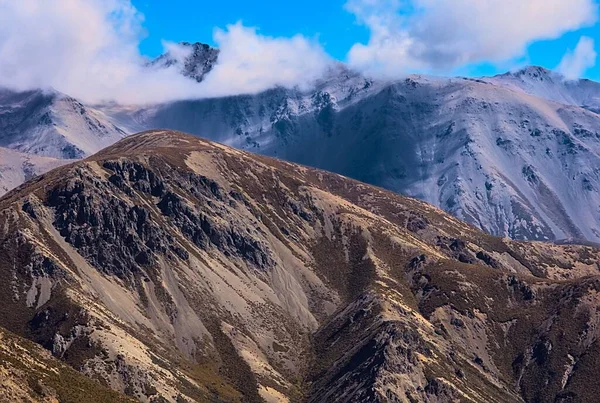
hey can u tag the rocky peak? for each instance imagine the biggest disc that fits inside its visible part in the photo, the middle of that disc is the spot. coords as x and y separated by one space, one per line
198 62
535 72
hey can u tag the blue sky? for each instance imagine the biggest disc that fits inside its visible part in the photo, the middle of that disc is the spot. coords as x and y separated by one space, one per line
326 21
194 21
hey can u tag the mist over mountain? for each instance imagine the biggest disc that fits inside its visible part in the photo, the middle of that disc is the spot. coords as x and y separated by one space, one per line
194 60
515 155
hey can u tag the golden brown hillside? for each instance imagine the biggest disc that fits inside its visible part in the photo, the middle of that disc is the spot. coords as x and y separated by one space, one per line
169 267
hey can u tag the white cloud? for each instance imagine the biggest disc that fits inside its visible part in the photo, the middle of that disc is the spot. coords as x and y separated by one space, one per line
443 34
249 62
177 51
89 50
575 63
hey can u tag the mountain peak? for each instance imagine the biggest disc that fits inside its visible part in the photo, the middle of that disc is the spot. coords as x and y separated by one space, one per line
531 72
194 60
197 45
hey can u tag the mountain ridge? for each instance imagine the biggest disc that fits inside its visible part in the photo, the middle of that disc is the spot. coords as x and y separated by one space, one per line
211 273
515 154
427 137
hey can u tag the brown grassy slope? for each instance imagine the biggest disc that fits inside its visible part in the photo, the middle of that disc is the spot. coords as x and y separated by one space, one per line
30 373
336 287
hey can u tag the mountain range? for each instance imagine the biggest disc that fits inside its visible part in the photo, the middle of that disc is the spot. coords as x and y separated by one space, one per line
171 268
515 155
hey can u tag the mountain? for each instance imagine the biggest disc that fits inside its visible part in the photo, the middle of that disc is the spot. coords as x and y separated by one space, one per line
194 60
552 86
43 129
172 268
51 124
16 168
515 155
499 153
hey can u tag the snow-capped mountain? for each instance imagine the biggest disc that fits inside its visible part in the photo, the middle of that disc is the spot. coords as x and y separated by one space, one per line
516 154
16 167
194 60
544 83
268 120
52 124
501 153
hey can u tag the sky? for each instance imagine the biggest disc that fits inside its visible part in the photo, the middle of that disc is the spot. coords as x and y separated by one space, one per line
194 21
96 49
335 27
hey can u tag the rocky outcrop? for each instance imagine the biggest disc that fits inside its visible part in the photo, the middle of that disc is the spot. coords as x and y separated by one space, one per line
199 61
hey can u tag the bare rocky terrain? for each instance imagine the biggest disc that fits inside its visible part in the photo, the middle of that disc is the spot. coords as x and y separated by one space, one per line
29 373
170 268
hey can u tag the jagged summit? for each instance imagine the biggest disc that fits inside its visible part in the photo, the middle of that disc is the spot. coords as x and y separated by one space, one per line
194 60
536 72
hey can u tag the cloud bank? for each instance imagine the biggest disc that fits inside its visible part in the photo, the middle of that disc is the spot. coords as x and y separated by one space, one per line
89 50
575 63
408 35
250 63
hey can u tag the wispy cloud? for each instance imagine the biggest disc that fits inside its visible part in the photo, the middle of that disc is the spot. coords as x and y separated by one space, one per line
576 62
409 35
89 49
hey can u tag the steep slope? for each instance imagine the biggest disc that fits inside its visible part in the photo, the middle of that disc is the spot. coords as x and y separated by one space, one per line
16 168
170 267
508 162
51 124
29 373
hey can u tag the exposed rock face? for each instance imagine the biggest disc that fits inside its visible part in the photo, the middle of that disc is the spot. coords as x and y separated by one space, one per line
171 268
28 373
195 65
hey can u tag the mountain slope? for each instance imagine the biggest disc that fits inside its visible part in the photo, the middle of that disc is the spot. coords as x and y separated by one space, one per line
169 266
51 124
16 168
28 373
511 163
